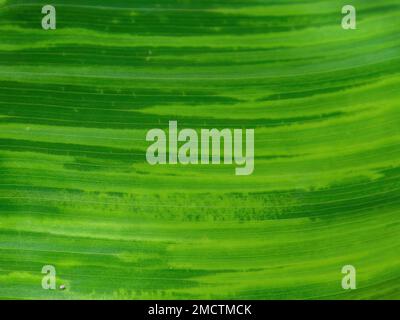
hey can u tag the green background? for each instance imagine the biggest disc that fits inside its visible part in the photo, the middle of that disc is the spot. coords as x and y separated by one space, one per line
76 191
